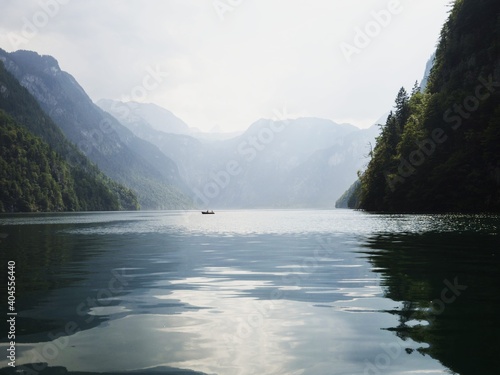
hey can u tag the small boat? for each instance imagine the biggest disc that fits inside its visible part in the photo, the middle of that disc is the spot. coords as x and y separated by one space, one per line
207 212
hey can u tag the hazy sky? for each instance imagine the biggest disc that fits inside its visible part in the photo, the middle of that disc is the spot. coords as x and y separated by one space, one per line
224 64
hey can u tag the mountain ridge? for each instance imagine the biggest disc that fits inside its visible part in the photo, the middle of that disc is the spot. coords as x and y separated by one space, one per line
33 146
257 167
121 155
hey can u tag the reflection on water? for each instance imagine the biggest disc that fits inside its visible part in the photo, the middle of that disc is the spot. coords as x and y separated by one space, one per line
247 292
448 284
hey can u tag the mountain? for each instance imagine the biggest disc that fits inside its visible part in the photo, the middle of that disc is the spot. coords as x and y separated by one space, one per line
350 199
115 149
311 161
438 151
427 73
289 163
145 114
40 169
305 162
136 116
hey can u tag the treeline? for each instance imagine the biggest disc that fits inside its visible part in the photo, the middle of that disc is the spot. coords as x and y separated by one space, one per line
26 185
350 199
34 178
40 170
439 150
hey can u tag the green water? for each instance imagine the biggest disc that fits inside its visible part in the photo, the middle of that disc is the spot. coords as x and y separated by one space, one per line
253 292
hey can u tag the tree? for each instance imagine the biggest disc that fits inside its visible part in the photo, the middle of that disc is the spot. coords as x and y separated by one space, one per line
402 108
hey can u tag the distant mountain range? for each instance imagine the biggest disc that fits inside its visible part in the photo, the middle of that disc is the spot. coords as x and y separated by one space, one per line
138 115
149 115
438 150
294 163
306 162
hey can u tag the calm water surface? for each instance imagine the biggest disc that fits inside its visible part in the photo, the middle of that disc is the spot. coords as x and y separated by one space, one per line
254 292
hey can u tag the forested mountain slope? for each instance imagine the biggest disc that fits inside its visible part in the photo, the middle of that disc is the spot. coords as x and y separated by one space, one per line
40 170
439 150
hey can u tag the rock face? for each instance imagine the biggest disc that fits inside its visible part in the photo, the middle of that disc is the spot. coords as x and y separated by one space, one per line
427 73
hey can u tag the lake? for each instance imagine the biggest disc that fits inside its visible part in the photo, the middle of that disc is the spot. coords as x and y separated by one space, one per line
253 292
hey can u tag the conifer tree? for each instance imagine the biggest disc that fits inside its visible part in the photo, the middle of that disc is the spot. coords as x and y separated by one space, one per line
402 108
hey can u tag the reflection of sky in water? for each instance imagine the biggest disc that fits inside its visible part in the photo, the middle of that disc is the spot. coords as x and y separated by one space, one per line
247 222
271 292
243 336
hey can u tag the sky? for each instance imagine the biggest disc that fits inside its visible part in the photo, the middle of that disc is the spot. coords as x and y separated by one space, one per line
220 65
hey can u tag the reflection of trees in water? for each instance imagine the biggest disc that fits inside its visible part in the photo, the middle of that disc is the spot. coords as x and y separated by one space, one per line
49 260
59 370
40 252
420 271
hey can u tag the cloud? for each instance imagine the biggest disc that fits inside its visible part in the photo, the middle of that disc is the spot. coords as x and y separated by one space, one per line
264 54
